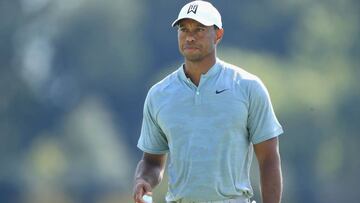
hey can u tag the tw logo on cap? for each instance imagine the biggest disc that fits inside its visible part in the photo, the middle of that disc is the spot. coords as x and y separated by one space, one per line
192 8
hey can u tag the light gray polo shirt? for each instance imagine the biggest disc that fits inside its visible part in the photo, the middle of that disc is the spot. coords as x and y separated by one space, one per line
208 131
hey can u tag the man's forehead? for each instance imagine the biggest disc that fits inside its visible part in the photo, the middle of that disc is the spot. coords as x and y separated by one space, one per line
190 22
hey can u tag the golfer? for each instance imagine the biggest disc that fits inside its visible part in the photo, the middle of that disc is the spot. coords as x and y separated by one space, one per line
207 118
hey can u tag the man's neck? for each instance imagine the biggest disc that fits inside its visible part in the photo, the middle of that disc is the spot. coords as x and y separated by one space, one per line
194 69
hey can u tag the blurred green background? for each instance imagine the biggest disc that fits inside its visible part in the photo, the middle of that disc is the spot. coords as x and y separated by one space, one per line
74 75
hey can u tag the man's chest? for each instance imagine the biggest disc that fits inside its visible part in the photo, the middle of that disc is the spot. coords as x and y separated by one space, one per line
209 109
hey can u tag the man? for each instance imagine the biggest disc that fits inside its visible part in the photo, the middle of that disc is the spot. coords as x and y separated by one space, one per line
208 116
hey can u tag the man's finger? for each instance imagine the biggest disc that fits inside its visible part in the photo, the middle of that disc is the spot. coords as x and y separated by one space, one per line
141 188
139 193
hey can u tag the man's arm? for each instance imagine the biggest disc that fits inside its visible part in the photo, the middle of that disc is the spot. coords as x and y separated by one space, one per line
148 174
268 157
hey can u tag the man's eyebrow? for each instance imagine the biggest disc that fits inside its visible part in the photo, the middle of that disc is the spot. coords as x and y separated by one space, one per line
181 25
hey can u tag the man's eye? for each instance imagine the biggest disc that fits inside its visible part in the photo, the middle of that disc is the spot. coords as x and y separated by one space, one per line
200 29
182 29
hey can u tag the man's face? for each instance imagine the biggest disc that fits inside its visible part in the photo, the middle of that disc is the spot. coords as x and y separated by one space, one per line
197 41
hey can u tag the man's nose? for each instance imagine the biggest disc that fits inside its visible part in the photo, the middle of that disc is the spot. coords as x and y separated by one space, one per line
190 37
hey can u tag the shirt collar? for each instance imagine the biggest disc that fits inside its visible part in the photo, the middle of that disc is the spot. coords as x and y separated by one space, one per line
214 70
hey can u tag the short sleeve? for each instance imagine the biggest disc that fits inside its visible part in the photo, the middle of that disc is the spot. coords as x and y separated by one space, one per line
152 139
262 122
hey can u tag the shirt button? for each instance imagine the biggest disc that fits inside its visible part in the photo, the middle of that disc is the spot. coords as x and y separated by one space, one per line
197 93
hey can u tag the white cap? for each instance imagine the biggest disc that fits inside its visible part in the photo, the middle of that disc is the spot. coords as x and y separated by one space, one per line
201 11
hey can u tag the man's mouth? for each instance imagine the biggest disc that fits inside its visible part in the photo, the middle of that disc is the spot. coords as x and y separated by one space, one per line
188 47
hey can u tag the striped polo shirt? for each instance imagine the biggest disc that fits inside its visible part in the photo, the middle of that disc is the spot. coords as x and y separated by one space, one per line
208 130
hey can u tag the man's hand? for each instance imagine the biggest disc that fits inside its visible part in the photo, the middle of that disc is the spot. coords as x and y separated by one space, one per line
149 173
141 188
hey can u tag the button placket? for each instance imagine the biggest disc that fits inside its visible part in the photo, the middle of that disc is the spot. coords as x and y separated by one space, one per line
197 97
198 92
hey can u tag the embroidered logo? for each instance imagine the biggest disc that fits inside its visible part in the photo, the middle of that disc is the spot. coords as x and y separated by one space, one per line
192 8
219 91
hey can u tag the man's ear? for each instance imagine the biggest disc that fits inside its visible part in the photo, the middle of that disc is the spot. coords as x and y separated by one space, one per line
219 34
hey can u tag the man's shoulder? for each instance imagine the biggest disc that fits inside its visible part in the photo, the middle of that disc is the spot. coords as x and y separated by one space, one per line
238 74
165 83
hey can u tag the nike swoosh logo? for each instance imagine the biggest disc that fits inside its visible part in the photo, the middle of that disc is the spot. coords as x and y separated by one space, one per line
219 91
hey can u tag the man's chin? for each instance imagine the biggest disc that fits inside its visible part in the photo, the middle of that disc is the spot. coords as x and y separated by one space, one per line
193 58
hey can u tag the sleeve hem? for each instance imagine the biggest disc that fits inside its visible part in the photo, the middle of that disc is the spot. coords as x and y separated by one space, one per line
151 151
273 134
